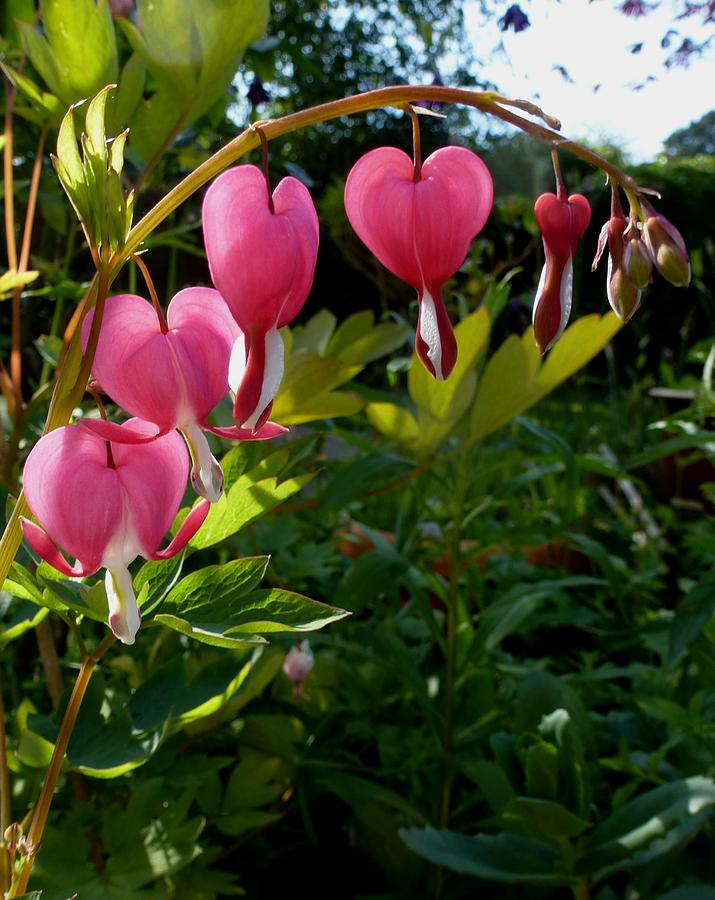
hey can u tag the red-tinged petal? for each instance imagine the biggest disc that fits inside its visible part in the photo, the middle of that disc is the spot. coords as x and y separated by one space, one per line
42 544
72 493
254 374
435 343
124 617
453 199
190 526
552 305
265 433
111 431
262 262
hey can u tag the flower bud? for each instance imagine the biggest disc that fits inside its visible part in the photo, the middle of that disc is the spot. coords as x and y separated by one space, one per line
636 261
667 247
298 664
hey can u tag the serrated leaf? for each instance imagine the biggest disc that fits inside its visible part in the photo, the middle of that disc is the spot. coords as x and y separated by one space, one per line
244 502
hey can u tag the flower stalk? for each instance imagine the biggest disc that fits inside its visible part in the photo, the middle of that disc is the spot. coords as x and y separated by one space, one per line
41 811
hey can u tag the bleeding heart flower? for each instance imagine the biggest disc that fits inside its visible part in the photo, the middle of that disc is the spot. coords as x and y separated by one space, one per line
297 665
619 235
420 225
562 222
174 378
105 504
262 258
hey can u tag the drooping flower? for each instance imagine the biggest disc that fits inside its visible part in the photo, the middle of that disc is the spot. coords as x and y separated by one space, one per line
262 251
419 224
666 247
106 503
621 236
297 665
174 378
562 222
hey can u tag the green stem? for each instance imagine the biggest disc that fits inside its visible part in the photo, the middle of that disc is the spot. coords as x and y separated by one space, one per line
5 811
452 604
485 101
39 817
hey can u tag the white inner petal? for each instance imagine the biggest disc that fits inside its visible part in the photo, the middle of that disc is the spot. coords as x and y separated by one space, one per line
124 618
429 332
539 292
272 375
566 297
206 473
237 363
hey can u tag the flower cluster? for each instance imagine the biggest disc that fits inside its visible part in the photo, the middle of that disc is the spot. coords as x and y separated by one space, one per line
107 493
635 244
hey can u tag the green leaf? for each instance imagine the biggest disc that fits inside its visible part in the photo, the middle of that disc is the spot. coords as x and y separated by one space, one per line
503 857
94 124
542 770
22 617
396 423
215 602
447 400
492 782
692 613
515 378
174 696
246 500
544 818
154 581
193 50
649 826
76 55
19 583
362 475
216 585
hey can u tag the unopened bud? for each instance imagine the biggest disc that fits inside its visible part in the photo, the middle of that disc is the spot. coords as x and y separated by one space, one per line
667 248
623 295
298 664
13 836
637 262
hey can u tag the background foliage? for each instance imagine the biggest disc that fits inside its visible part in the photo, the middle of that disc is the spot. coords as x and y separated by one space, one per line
522 692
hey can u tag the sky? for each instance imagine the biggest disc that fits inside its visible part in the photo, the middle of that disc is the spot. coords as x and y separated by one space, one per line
590 40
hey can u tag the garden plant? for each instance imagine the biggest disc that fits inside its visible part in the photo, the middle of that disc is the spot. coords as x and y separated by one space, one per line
496 688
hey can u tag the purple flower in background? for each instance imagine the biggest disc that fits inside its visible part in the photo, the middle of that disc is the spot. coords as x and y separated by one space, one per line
514 18
257 94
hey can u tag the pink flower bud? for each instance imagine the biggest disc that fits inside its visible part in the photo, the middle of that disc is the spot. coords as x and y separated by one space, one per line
298 664
562 223
667 247
105 504
623 295
420 228
262 261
